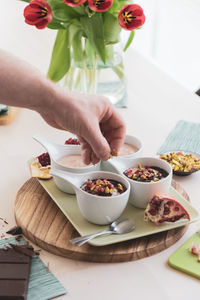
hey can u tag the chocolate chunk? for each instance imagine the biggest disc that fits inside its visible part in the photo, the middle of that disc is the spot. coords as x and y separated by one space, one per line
14 275
15 230
24 249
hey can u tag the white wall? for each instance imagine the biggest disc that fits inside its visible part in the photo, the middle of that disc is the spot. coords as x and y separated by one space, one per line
17 37
171 36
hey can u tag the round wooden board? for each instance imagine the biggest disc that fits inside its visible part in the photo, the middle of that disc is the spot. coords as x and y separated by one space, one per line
34 209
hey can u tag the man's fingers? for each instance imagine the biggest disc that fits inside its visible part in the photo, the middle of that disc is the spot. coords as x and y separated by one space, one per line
114 131
86 151
98 143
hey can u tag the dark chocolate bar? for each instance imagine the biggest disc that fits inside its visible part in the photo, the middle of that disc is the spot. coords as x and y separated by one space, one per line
14 274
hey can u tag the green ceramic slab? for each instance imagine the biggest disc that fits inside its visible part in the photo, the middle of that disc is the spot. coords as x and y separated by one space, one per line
185 261
68 204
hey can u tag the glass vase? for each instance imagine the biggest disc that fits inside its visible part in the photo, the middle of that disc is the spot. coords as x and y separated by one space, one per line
98 78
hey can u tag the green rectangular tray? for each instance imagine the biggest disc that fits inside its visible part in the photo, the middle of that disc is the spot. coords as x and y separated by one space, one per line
68 205
185 261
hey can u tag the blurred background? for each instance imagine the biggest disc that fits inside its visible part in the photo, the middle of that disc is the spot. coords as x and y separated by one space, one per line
170 37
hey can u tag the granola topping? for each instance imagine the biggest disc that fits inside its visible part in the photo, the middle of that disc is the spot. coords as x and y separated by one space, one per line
103 187
146 173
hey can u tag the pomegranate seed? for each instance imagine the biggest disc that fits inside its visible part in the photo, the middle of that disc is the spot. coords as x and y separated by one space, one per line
44 159
176 208
166 210
152 212
72 141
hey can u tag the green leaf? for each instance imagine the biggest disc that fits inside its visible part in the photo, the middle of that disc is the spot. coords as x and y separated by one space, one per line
109 53
77 46
55 25
111 29
117 5
25 0
80 10
130 39
93 28
62 12
60 59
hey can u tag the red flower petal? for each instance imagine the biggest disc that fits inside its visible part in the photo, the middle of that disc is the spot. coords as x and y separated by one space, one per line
38 13
74 2
42 24
131 17
40 3
100 5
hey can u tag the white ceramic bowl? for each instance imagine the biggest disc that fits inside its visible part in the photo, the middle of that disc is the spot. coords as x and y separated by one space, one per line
129 139
57 151
134 141
96 209
142 192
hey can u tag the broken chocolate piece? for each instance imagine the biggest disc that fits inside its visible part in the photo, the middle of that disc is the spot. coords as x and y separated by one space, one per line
15 230
24 249
14 274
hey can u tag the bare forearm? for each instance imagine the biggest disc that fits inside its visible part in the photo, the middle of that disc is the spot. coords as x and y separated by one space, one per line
21 84
85 115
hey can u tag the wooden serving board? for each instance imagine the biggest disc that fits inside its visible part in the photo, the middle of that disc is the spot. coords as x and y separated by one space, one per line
44 224
8 118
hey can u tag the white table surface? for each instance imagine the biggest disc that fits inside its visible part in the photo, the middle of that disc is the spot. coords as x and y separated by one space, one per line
156 103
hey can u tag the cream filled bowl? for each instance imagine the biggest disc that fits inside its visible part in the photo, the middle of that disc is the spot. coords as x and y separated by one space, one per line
67 158
103 207
144 189
72 161
131 148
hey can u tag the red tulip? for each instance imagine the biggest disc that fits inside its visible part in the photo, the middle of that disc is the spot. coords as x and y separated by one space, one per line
100 5
131 16
74 2
38 13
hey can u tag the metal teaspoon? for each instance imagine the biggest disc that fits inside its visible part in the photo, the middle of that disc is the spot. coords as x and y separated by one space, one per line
120 226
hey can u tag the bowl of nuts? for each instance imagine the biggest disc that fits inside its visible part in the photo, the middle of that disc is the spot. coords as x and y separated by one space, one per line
147 177
182 163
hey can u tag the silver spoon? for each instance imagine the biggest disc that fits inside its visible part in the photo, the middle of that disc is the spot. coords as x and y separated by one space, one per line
119 226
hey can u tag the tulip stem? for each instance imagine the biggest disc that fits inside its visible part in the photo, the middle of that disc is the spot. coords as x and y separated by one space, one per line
65 79
78 79
94 76
119 70
71 78
84 74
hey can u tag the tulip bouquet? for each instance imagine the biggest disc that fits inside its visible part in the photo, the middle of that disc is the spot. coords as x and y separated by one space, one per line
87 32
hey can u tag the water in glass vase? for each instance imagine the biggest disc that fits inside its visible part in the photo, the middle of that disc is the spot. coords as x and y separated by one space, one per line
103 79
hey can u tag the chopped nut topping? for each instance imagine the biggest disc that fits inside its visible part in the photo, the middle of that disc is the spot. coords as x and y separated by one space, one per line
182 162
103 187
145 174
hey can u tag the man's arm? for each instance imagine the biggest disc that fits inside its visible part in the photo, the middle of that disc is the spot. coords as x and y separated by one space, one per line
85 115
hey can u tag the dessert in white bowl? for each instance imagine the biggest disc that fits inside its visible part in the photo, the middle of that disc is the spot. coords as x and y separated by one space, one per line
127 149
73 161
131 148
142 192
56 152
95 207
